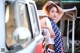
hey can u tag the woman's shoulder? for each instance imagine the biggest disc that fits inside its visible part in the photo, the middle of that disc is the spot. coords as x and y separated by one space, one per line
44 19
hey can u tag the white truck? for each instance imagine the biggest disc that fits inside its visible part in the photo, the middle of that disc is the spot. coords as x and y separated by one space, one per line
19 26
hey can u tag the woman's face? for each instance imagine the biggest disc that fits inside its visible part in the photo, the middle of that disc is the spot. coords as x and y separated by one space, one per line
53 13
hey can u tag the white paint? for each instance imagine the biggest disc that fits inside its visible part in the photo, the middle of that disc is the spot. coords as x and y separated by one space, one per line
2 24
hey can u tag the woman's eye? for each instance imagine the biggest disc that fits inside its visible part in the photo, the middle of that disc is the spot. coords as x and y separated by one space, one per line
52 11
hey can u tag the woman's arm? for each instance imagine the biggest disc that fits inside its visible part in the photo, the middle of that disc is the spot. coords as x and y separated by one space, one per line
45 26
60 13
52 34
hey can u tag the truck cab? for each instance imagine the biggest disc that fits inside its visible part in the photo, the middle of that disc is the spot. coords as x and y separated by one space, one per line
21 31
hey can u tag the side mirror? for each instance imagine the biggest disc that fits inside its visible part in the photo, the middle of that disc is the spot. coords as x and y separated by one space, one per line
22 36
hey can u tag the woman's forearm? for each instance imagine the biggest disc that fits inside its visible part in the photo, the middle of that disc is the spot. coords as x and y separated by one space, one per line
60 9
60 14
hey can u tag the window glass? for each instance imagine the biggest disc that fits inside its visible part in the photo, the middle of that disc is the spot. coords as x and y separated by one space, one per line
23 16
11 25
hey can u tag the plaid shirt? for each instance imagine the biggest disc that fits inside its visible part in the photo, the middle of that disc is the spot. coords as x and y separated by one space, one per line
58 38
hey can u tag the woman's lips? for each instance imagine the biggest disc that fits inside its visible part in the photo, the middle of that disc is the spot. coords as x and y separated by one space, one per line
54 16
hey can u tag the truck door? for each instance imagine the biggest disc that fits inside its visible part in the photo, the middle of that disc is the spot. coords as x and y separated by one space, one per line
22 27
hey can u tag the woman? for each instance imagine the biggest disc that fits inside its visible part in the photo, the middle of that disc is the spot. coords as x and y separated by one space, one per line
55 13
49 37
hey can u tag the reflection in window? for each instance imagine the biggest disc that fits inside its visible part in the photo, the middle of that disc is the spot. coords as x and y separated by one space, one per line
10 26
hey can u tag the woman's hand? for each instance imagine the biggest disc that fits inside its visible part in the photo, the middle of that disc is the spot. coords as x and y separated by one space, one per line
49 2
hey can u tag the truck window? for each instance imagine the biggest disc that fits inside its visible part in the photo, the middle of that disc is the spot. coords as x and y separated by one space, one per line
15 22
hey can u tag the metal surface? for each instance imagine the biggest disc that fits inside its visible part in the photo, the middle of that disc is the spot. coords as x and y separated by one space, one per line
2 24
68 34
73 34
